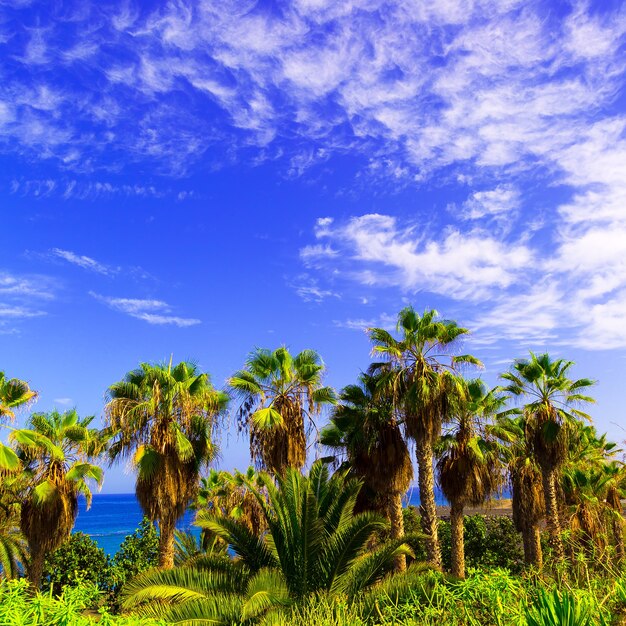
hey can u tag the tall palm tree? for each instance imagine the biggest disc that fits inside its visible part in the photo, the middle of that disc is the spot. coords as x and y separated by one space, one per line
550 411
364 428
526 483
422 376
162 418
314 544
468 465
280 395
56 451
13 393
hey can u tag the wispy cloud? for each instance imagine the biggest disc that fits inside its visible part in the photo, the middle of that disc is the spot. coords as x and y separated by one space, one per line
21 298
152 311
84 261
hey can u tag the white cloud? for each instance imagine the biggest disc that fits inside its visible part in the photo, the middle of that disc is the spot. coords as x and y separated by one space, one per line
64 401
499 203
18 312
376 250
152 311
83 261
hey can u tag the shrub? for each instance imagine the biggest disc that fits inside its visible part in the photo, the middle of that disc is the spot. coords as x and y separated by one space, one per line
78 560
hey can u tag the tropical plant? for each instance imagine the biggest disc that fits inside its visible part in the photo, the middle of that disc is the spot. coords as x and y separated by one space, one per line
14 393
550 412
524 475
13 546
558 609
280 395
314 544
223 493
162 417
364 430
422 377
56 453
468 465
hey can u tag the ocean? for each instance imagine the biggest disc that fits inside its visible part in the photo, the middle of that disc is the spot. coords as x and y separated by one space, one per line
114 516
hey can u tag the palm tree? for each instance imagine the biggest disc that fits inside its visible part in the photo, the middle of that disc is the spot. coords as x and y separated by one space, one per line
314 544
223 493
162 418
13 546
468 466
55 451
280 395
13 393
423 381
526 483
549 414
365 429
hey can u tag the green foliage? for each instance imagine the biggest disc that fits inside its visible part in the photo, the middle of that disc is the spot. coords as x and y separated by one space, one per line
490 541
78 560
18 607
559 609
138 552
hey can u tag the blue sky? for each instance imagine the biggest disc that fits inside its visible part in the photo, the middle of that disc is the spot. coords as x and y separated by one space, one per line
198 179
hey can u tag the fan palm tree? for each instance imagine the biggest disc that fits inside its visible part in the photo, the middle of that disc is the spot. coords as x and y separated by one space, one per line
314 544
13 394
56 451
468 465
526 483
364 428
223 493
550 411
162 417
423 380
280 394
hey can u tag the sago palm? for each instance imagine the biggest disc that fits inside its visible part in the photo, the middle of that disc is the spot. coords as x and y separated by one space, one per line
280 395
56 451
162 418
314 544
468 465
524 476
551 397
365 431
422 376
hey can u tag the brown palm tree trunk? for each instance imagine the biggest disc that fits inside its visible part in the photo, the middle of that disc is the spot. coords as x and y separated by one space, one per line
428 508
35 568
166 542
552 513
535 542
457 540
396 520
618 538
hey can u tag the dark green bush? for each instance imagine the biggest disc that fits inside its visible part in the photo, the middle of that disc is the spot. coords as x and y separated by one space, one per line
78 560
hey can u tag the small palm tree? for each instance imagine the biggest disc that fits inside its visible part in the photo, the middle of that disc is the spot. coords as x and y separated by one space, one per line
162 417
526 483
223 493
13 545
468 466
56 453
549 413
364 428
314 544
280 395
13 394
422 377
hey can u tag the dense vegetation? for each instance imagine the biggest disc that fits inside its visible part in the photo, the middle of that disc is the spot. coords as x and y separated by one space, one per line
331 545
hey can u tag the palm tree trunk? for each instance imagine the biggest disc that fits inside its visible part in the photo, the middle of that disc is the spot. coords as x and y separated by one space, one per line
35 568
618 537
166 542
396 520
532 546
457 542
428 508
552 513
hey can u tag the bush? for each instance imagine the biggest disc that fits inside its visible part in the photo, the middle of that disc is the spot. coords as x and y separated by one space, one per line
18 607
138 552
78 560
